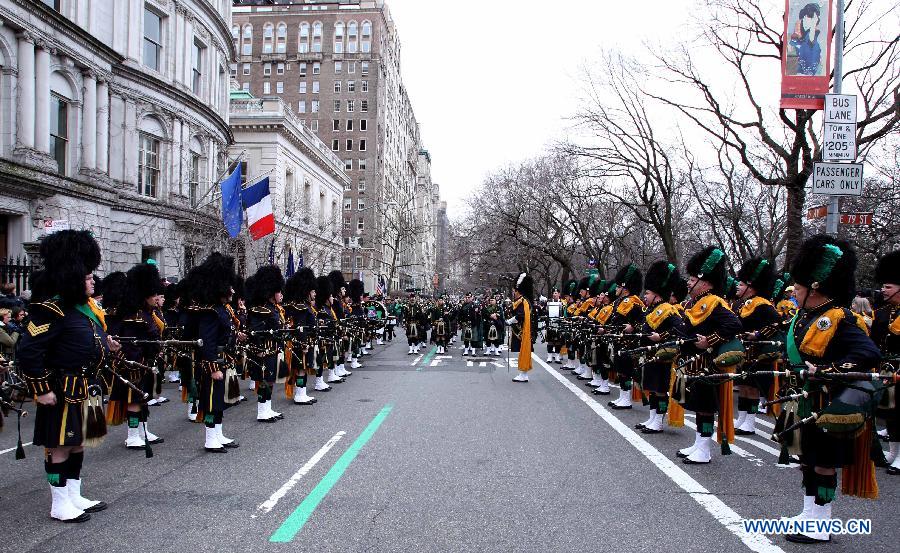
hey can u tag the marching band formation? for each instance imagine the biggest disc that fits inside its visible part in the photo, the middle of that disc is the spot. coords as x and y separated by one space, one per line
786 340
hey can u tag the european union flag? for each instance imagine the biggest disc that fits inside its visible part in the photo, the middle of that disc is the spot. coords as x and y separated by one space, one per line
232 211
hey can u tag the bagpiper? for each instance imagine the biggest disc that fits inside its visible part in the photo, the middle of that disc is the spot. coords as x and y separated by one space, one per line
886 335
265 318
824 340
299 307
60 356
522 338
627 315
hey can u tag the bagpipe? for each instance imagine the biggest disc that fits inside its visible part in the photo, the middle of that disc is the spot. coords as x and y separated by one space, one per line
12 392
161 343
852 399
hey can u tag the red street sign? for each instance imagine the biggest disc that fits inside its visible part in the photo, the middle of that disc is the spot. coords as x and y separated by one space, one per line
817 212
856 218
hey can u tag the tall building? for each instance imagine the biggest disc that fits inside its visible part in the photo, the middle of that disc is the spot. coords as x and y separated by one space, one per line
337 65
113 118
306 181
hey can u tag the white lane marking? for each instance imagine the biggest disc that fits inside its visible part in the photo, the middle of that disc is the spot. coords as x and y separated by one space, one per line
14 448
470 364
482 364
419 358
713 505
270 503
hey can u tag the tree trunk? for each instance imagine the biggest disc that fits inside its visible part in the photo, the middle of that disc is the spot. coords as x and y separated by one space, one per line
796 197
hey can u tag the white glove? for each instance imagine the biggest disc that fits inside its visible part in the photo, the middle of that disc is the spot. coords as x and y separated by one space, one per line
511 320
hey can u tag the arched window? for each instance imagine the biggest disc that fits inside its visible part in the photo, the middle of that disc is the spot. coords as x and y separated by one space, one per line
366 46
338 38
268 36
281 38
317 37
62 93
195 169
150 135
352 33
303 40
247 41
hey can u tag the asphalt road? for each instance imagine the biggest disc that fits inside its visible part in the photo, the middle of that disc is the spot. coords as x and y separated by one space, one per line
424 453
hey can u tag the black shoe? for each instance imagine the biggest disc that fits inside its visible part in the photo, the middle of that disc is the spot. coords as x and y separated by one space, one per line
231 445
801 538
599 393
681 455
83 518
687 461
267 421
646 430
305 402
893 471
739 432
639 425
96 508
158 440
620 407
215 450
579 377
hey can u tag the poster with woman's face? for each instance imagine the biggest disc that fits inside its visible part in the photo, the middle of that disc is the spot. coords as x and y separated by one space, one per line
807 37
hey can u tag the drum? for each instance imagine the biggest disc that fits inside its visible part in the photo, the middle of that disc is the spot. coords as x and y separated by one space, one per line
375 313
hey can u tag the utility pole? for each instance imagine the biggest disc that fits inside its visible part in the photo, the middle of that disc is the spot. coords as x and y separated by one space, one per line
834 205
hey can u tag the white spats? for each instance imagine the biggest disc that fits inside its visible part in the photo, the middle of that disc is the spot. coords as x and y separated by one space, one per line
688 450
62 508
134 439
74 489
702 454
521 377
321 386
300 397
212 443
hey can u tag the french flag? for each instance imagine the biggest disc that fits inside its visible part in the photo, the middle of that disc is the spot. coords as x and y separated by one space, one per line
258 204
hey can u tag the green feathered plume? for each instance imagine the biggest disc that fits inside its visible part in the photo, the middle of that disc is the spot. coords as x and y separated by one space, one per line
710 264
758 270
830 256
670 268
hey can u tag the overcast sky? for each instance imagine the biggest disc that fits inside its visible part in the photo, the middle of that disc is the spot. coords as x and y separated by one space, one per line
493 81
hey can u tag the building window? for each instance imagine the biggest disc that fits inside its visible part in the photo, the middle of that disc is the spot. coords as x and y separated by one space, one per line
337 106
364 106
360 204
152 39
350 105
362 184
314 124
315 107
338 67
317 37
267 69
247 41
365 86
349 145
302 69
352 31
302 88
281 39
348 165
335 125
148 165
351 67
280 69
279 87
362 145
348 186
268 36
364 67
301 107
267 87
246 69
245 87
194 180
335 145
366 47
361 164
233 68
360 226
337 87
363 124
317 68
351 86
347 227
303 41
349 124
348 204
198 67
55 4
315 87
59 131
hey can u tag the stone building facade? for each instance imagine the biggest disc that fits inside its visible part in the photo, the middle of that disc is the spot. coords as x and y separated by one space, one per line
337 65
114 118
306 181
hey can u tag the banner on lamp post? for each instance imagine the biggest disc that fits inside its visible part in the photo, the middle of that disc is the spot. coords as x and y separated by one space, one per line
806 57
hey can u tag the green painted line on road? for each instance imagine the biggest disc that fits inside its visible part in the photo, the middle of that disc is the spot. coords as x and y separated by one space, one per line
295 522
427 359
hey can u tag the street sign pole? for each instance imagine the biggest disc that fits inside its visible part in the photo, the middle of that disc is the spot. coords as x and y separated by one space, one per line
834 205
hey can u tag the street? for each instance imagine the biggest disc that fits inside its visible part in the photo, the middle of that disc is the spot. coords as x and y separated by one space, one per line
424 453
